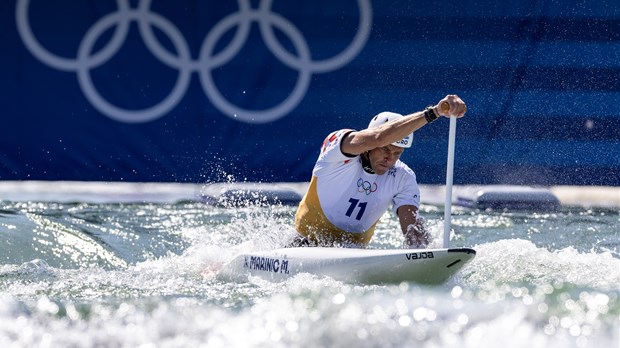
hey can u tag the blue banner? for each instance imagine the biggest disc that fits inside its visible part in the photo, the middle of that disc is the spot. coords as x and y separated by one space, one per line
203 91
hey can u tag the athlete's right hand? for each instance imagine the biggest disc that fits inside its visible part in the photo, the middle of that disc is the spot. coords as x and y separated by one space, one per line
451 105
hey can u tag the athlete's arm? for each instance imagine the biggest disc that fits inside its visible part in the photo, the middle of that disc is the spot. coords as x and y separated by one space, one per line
413 229
358 142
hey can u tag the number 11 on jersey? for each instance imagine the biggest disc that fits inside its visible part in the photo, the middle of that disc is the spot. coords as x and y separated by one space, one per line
356 203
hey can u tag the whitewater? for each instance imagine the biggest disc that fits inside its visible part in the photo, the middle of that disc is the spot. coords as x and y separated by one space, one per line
86 265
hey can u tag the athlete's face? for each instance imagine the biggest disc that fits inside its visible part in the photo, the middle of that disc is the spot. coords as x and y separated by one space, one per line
383 158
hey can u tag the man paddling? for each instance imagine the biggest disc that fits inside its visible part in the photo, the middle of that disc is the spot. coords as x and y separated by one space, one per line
358 176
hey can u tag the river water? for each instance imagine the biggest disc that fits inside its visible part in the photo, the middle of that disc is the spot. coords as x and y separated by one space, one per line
118 274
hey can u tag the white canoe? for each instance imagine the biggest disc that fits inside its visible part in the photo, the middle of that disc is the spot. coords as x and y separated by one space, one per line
367 266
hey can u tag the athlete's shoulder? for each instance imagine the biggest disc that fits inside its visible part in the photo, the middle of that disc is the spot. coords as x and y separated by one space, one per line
334 138
401 168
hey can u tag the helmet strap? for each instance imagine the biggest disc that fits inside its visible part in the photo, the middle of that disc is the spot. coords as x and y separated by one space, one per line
366 163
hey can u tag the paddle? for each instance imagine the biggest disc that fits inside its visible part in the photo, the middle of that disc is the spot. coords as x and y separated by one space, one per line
445 107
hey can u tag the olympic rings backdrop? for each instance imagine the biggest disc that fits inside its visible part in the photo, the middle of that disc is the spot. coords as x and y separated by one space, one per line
246 90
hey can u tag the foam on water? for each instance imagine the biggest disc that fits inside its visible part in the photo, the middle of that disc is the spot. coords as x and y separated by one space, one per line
517 260
150 281
306 311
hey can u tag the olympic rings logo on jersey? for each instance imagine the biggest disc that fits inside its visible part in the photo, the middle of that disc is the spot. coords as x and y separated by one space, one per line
87 60
366 186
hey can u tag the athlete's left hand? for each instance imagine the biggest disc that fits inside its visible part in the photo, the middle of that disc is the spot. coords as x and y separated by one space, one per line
417 237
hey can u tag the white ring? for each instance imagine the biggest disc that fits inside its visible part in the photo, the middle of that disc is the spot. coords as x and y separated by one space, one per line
271 114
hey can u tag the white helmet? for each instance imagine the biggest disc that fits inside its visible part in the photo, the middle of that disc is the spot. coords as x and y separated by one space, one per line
385 117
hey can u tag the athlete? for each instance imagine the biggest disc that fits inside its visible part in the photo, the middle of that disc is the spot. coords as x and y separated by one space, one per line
358 175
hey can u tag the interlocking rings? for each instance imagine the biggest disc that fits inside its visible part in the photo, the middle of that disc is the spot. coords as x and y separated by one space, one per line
366 186
87 60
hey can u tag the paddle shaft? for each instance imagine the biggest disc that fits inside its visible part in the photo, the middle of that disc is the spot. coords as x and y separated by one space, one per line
449 175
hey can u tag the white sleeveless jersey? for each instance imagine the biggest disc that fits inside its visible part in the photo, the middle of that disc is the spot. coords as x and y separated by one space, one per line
352 199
